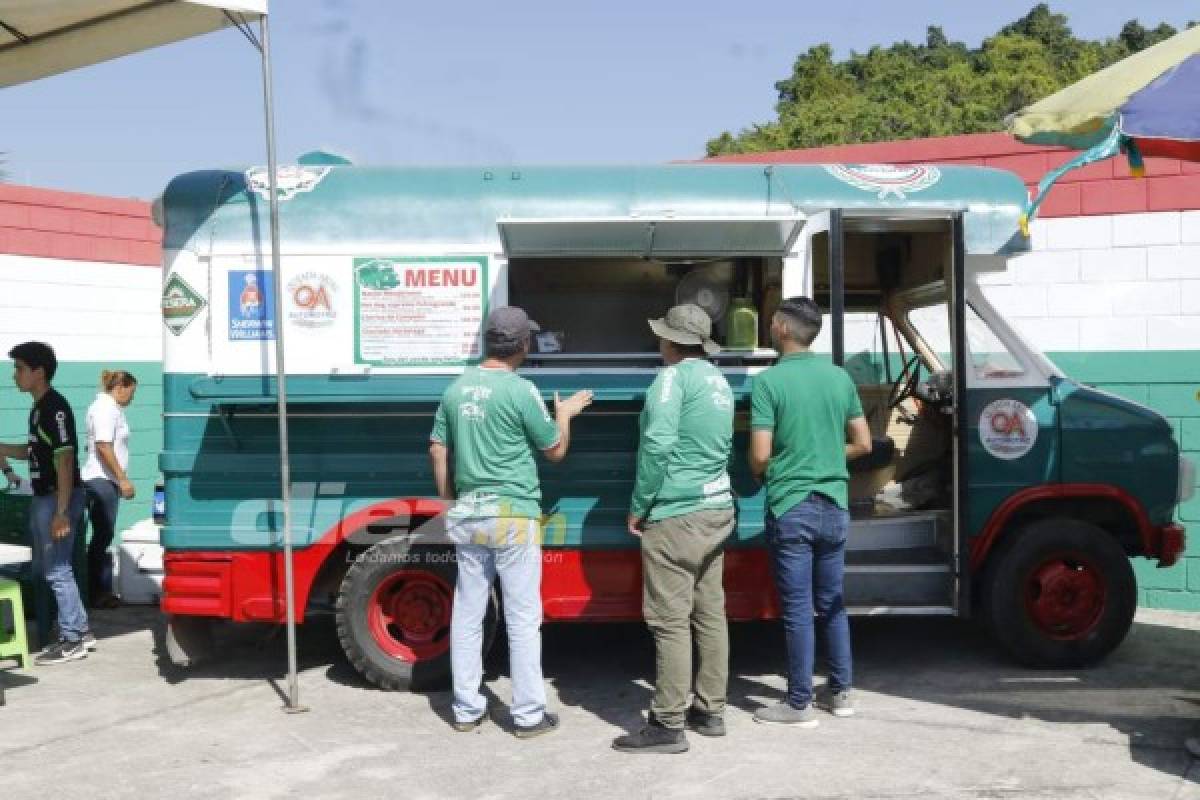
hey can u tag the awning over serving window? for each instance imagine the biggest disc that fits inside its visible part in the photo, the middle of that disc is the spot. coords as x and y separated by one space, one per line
661 238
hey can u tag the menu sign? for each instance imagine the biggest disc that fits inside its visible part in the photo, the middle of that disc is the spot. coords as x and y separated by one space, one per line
419 311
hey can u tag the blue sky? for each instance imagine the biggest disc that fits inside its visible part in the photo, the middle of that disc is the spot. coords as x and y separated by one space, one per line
388 81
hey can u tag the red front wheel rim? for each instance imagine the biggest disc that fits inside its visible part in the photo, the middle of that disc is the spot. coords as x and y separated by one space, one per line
1065 596
409 615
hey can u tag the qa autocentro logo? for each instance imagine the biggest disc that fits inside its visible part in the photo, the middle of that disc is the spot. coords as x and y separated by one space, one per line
1008 429
311 300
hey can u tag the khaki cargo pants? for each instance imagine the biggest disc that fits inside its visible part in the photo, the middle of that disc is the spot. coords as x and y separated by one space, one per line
683 600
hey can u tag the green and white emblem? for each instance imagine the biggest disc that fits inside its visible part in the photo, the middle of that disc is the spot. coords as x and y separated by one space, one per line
180 304
886 179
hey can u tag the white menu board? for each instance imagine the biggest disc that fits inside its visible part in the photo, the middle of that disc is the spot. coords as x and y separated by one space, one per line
419 311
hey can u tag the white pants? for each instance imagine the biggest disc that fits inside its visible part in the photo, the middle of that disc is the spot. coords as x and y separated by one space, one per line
519 566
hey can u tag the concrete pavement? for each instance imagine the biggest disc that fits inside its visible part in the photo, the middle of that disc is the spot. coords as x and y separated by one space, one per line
942 715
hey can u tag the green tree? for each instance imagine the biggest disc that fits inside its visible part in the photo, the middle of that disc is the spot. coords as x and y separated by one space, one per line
938 88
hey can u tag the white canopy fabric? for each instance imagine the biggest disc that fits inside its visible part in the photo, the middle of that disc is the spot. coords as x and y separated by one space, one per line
39 38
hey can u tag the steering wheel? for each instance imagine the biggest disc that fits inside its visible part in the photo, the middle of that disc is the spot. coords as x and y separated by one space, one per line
905 385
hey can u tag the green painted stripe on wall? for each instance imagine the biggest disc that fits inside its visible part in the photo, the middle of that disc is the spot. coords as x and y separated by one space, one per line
1134 366
79 382
1167 382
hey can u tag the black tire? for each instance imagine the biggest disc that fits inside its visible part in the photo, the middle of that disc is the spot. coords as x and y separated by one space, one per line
389 655
1059 593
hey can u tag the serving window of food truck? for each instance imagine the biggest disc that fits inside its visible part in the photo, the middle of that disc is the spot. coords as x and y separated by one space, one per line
592 283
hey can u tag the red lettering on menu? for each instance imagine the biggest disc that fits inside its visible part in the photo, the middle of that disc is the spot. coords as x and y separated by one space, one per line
420 278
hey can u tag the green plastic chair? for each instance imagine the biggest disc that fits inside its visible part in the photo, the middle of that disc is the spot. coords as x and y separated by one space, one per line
13 641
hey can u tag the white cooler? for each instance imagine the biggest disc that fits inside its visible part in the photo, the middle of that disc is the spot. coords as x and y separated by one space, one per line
139 567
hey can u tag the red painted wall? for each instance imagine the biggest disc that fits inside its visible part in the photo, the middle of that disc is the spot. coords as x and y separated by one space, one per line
77 227
1102 188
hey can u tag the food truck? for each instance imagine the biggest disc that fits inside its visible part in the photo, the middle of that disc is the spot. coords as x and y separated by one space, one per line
998 488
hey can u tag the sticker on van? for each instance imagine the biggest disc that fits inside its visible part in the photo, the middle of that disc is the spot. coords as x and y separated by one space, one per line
1007 428
290 180
251 305
180 304
886 179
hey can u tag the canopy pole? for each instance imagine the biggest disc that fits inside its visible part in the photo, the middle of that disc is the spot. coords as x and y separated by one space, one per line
285 473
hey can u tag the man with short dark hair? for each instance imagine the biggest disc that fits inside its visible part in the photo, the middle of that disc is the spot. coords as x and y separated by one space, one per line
56 516
491 420
682 508
807 422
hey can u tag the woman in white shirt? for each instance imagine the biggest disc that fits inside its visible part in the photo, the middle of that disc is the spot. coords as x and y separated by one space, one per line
105 478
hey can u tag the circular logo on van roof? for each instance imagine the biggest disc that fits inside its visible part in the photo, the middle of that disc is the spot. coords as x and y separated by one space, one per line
886 179
1008 429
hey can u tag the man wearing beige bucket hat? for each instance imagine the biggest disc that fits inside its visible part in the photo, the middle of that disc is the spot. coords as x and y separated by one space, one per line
682 508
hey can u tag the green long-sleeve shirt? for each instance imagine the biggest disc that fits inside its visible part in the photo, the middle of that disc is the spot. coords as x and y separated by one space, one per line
686 438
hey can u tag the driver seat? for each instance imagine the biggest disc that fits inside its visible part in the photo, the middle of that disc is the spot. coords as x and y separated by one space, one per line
883 452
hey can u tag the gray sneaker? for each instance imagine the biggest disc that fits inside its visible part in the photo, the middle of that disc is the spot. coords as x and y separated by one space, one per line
838 703
470 725
785 713
89 641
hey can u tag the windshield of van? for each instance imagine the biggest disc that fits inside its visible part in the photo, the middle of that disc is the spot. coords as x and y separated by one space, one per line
987 355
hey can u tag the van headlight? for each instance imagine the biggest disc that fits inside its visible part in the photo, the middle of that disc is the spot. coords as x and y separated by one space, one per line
1187 480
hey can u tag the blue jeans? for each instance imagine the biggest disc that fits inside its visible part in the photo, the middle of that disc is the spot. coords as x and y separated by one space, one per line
519 567
52 560
808 553
103 498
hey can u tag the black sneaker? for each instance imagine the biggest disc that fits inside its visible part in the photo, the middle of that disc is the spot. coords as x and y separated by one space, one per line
89 641
654 737
471 724
549 724
61 652
704 723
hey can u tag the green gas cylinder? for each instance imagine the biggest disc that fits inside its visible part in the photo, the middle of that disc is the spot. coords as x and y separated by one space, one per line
741 325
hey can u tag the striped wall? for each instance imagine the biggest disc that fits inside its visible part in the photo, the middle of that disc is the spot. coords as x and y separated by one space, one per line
1114 300
81 273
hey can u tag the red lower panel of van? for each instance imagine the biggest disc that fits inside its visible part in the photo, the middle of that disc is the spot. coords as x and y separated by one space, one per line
597 585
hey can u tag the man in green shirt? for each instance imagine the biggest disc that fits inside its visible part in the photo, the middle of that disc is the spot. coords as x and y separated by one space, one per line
682 508
491 420
807 422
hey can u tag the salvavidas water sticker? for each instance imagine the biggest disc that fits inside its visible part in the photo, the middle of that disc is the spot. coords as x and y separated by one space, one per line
251 305
1008 429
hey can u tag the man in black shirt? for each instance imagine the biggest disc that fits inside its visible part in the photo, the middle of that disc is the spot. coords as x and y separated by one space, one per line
56 516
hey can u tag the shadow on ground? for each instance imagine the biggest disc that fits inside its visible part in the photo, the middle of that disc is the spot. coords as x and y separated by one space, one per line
1148 691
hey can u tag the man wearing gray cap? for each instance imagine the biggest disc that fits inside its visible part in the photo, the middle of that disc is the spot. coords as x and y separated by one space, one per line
682 508
491 420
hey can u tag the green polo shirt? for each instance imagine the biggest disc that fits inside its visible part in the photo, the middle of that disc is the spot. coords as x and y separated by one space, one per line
686 436
805 401
492 420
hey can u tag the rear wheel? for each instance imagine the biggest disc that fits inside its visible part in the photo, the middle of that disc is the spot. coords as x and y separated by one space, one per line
1060 593
393 615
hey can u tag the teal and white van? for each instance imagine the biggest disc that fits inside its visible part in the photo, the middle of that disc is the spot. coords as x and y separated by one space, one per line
999 488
